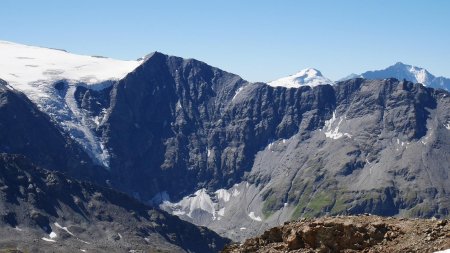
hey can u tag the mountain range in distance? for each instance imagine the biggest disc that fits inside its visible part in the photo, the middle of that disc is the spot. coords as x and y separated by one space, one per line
313 77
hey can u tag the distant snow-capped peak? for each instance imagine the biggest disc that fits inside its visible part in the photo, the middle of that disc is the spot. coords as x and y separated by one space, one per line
410 73
306 77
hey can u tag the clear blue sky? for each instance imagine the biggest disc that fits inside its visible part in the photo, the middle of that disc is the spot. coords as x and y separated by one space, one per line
259 40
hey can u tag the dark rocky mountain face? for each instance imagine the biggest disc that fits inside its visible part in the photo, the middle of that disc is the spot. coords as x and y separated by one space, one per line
158 128
376 154
43 211
358 146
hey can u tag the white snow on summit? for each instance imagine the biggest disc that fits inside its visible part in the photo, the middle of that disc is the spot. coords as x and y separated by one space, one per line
21 65
34 71
307 77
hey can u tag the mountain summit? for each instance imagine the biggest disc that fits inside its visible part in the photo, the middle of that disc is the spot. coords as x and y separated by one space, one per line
306 77
410 73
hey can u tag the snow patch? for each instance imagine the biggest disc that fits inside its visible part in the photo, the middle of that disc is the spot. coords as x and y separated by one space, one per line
254 217
425 139
178 212
63 228
200 200
179 106
223 195
420 74
237 92
275 143
235 192
333 132
52 235
47 240
83 241
199 204
447 125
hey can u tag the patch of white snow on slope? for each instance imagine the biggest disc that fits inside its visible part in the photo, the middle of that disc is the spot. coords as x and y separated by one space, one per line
200 200
47 240
35 70
447 125
223 195
63 228
213 203
332 130
254 217
221 212
237 92
52 235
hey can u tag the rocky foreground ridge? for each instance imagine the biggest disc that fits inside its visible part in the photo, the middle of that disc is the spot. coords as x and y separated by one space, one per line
364 233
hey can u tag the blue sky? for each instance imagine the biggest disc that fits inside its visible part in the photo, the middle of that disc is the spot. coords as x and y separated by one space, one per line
259 40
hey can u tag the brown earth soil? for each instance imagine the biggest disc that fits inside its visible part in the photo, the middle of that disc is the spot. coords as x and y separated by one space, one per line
364 233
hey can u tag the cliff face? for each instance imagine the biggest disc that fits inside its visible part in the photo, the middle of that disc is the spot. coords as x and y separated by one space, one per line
159 123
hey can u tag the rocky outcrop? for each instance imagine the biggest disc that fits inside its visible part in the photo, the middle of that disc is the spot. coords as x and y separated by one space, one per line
351 234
